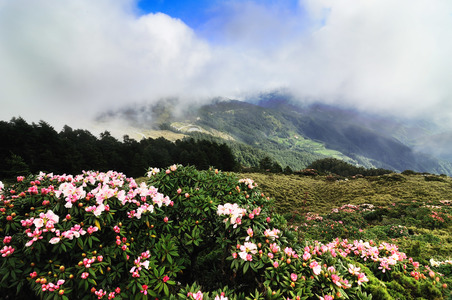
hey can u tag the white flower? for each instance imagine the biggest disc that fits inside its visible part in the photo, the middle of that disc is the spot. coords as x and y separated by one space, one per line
99 209
153 171
38 222
54 240
145 264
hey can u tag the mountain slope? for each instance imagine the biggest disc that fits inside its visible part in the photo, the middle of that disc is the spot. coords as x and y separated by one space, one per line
295 135
283 130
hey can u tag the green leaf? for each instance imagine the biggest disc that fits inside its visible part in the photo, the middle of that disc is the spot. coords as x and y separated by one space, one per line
13 275
165 290
91 271
245 267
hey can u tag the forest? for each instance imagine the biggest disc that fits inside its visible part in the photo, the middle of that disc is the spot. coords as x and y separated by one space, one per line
30 148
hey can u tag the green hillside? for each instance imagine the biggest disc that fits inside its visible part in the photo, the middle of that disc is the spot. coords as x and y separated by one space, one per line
295 136
290 191
420 205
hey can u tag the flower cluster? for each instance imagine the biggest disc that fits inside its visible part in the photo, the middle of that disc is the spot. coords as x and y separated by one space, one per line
7 251
246 251
233 211
61 208
152 172
51 287
248 182
436 263
140 262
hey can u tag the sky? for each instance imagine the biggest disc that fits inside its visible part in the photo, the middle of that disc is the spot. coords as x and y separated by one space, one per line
65 62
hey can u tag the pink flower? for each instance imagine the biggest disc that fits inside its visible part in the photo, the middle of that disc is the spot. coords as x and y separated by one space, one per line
250 232
165 278
55 240
336 280
293 277
289 252
353 270
144 289
179 190
316 268
7 251
198 296
274 248
275 264
84 275
100 293
221 297
91 230
165 219
7 240
362 278
48 217
60 282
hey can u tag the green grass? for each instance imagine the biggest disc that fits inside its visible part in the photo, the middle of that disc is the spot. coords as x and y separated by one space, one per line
317 194
403 206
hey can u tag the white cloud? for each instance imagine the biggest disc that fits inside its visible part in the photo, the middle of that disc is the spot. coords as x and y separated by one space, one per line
74 58
64 61
385 54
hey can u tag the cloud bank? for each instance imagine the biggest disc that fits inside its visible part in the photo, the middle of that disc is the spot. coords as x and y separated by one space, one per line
66 61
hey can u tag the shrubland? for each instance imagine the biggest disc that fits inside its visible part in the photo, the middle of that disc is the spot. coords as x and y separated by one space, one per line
181 233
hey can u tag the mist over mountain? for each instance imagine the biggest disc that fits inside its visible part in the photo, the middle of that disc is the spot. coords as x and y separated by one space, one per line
294 134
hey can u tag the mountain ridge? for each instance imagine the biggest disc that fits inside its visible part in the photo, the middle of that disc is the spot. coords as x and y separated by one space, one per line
295 134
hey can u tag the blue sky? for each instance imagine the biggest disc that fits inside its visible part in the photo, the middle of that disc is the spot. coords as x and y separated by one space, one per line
197 12
192 12
214 19
66 61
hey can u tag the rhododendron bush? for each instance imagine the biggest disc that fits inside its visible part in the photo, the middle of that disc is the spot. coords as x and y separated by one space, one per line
182 234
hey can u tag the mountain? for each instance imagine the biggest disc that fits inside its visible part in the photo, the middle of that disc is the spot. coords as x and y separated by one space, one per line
294 135
439 145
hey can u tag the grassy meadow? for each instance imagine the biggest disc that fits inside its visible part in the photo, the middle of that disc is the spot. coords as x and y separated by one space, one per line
413 211
320 195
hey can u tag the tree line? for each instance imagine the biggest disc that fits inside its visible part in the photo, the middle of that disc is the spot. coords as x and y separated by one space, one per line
30 148
339 167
